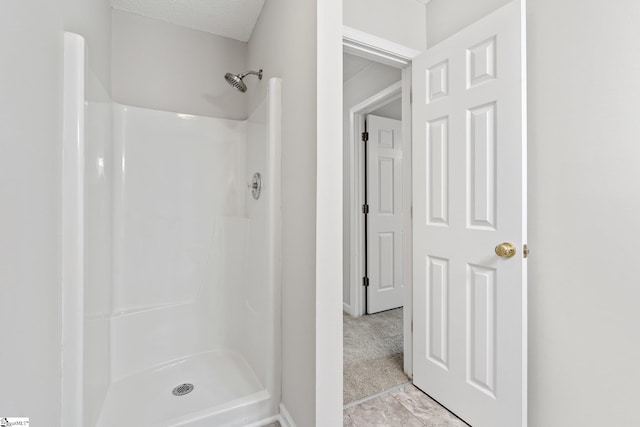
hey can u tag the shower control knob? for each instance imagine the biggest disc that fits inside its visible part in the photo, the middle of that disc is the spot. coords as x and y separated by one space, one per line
256 185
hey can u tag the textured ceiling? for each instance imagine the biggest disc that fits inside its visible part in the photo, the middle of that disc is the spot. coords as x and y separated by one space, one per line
229 18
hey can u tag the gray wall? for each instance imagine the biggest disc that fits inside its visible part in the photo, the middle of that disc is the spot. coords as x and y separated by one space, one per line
583 67
171 68
30 191
363 85
284 45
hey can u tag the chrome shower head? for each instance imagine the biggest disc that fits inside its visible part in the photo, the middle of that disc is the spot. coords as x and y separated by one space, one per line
235 80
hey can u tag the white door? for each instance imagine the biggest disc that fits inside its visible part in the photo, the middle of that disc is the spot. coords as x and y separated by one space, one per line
469 191
384 220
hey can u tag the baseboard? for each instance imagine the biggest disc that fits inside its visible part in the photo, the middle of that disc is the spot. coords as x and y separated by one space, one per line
285 417
264 422
346 308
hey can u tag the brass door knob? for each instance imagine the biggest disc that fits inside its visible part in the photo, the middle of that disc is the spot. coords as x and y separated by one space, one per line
505 250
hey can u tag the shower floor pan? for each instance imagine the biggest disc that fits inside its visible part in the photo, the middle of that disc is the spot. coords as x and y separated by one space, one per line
226 392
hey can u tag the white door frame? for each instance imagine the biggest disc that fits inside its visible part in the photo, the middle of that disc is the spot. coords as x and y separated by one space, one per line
365 45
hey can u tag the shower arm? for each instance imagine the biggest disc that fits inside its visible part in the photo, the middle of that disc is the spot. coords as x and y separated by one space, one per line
257 73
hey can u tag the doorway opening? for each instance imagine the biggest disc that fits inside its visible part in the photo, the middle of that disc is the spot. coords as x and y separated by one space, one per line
377 244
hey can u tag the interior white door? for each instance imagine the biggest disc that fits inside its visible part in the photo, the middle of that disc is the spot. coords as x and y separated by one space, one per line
469 191
384 220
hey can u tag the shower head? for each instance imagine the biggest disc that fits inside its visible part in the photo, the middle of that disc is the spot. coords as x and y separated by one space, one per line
235 80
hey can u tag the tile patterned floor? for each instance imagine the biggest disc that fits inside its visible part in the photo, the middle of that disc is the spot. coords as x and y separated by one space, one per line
403 407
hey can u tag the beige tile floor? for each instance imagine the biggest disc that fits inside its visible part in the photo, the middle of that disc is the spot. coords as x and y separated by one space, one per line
405 406
402 407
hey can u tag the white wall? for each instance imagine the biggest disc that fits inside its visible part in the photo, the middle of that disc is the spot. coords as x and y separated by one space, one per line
165 67
583 66
284 45
381 18
31 43
363 85
92 20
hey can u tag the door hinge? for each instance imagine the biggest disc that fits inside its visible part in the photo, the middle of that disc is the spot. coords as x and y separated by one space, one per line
365 136
365 209
365 281
525 251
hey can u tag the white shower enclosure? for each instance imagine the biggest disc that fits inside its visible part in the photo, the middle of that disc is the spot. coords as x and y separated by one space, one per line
171 268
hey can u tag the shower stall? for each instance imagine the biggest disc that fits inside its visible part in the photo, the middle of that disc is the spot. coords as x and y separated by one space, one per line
171 262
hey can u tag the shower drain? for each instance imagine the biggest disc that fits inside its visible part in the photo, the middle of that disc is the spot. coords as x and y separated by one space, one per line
182 389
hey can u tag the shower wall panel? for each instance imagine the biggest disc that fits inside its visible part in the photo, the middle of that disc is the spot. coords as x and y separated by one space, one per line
176 174
180 236
98 235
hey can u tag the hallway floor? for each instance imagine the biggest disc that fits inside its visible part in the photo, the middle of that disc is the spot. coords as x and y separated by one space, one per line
373 359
